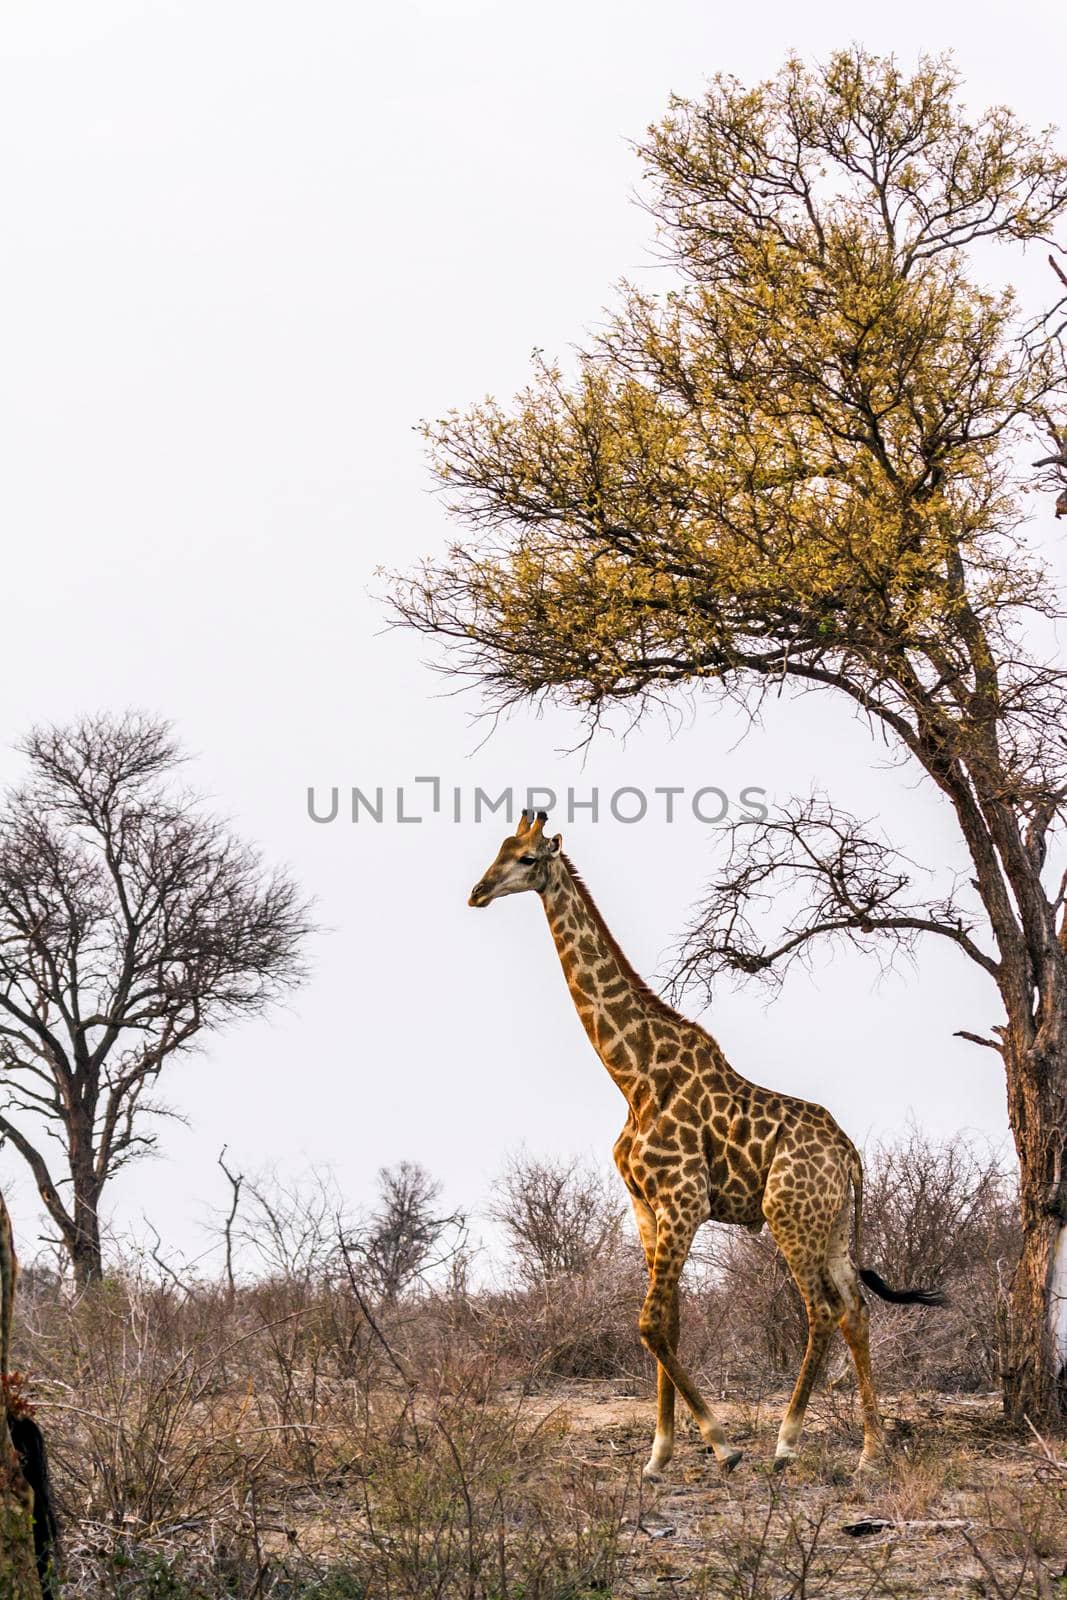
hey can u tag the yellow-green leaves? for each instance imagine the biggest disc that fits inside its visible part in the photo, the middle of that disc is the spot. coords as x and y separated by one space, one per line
797 459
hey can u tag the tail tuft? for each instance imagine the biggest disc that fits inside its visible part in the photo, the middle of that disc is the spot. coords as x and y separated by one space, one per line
901 1297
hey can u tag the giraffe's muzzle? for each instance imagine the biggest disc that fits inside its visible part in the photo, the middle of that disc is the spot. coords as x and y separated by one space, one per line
480 894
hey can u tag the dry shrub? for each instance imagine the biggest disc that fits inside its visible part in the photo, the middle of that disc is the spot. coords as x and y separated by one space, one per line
462 1496
945 1215
1018 1545
776 1548
918 1481
576 1279
581 1325
285 1440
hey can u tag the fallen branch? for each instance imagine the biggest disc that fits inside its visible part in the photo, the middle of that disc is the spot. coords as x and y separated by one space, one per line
1054 1461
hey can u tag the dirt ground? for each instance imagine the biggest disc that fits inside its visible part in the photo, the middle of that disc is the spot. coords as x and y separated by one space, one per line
962 1506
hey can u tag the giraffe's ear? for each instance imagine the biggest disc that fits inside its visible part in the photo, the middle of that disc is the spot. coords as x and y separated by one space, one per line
555 844
524 824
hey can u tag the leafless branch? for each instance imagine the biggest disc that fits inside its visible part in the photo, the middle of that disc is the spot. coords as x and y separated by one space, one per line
829 878
235 1181
976 1038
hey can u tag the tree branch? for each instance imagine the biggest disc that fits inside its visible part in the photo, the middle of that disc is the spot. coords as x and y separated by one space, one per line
833 880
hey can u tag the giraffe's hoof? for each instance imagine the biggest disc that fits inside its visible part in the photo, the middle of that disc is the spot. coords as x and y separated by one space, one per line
780 1463
728 1463
651 1475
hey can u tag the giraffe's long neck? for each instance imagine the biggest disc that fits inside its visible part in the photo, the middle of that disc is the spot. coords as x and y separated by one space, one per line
618 1011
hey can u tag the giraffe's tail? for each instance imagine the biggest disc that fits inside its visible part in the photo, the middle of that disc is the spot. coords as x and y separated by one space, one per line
857 1203
867 1275
901 1297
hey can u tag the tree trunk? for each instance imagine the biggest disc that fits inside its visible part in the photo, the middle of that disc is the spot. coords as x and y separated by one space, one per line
83 1237
1035 1368
86 1257
82 1240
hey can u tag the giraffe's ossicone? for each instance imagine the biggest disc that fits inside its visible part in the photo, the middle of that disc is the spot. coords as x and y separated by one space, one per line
701 1143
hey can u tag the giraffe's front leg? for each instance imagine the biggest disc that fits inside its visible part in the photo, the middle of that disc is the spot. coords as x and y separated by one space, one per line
663 1440
674 1235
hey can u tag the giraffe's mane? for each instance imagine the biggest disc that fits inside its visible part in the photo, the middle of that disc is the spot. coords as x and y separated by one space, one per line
629 972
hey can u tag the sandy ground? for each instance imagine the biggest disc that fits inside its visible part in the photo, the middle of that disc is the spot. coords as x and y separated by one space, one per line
965 1506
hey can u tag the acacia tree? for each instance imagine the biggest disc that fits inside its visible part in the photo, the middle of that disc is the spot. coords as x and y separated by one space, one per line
130 920
799 466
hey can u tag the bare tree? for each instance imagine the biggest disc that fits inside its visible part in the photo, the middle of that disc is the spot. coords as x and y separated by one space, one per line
559 1217
406 1236
236 1182
130 920
287 1228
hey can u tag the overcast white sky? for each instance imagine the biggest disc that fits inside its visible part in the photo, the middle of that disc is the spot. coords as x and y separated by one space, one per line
246 246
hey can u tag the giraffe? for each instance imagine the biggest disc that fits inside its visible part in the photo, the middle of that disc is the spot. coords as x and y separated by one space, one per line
703 1143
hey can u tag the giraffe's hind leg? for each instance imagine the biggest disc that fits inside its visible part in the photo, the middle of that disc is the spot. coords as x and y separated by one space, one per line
854 1323
831 1291
809 1242
822 1316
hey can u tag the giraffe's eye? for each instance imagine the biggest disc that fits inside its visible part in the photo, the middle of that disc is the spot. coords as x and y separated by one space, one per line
527 861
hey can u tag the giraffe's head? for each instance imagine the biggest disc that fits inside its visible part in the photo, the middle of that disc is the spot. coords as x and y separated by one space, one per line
523 861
